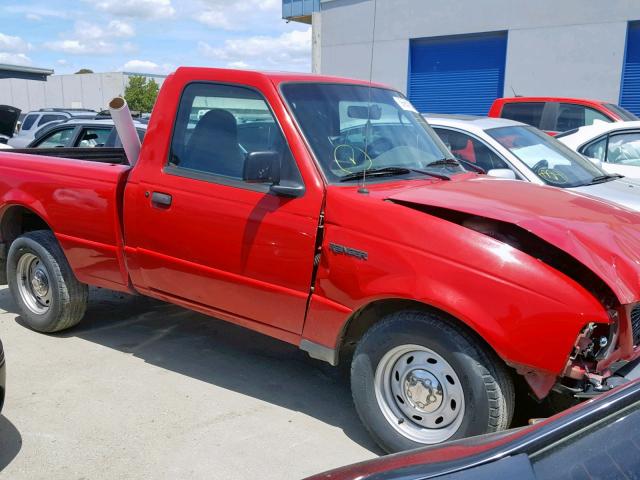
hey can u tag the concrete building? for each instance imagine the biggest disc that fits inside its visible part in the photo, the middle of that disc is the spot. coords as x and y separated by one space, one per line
456 56
90 90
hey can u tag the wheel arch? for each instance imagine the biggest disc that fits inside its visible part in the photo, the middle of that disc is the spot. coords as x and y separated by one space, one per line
361 320
15 220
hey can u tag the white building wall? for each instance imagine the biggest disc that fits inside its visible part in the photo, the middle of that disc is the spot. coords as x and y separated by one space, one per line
93 91
568 47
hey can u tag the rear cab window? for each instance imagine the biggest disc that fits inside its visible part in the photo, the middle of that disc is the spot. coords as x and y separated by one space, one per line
524 112
47 118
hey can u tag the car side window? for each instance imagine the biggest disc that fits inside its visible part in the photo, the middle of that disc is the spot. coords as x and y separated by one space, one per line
597 149
571 116
525 112
469 149
50 118
59 138
218 126
93 137
624 149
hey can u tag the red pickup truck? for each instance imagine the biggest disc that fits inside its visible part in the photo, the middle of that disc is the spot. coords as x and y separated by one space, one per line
558 114
326 213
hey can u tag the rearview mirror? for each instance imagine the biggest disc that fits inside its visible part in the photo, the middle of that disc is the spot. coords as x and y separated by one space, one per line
502 173
371 112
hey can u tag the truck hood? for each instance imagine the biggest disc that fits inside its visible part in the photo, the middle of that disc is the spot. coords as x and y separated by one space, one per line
8 120
623 191
603 236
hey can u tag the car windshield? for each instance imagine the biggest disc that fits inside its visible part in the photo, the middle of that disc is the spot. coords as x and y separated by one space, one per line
554 163
623 113
354 129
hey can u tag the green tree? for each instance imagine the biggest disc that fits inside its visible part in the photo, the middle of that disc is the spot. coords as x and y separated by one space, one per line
141 93
83 71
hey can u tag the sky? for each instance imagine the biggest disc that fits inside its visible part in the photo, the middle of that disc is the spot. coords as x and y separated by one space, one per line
151 36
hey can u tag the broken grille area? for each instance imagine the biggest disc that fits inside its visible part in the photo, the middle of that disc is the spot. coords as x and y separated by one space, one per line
635 324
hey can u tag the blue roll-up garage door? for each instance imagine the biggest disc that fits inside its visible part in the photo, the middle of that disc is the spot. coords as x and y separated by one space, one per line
458 74
630 89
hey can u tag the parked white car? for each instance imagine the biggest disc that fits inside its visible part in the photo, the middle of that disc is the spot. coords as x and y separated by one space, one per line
615 146
512 150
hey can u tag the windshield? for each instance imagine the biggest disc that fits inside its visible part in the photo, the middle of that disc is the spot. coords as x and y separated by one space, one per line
353 129
623 113
554 163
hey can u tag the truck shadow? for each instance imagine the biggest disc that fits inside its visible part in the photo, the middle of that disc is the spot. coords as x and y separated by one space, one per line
218 353
10 442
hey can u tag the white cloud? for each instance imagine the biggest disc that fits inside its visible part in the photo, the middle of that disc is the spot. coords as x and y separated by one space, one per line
9 43
288 51
79 47
136 8
14 58
236 15
146 66
90 38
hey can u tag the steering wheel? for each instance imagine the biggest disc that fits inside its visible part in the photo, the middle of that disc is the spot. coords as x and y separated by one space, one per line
541 164
348 158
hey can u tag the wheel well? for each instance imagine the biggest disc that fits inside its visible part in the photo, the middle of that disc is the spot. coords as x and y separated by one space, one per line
363 319
16 220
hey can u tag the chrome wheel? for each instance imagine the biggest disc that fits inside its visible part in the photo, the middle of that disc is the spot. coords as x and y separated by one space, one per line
33 284
419 394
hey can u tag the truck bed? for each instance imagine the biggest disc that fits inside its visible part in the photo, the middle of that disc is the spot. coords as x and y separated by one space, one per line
103 155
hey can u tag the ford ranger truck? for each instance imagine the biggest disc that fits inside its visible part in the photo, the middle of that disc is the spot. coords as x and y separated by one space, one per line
326 213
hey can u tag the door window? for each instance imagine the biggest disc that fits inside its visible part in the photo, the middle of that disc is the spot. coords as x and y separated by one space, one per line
218 126
624 149
571 116
469 149
597 149
93 137
525 112
59 138
50 118
28 122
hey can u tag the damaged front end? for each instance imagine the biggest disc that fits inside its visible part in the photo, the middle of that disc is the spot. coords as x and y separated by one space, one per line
604 355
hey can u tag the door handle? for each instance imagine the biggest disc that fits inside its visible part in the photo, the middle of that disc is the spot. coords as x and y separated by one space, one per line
159 199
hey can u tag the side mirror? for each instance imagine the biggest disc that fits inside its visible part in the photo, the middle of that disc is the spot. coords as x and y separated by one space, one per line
264 167
261 167
597 162
502 173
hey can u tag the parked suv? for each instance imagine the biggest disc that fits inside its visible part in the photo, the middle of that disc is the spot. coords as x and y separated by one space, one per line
36 119
554 114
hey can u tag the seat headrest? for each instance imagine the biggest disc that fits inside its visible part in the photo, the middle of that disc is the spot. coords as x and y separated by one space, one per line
456 141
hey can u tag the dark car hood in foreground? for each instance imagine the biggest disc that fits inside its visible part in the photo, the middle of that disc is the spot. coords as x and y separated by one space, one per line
8 120
602 236
461 455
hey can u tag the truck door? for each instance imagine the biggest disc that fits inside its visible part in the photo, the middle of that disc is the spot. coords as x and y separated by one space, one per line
202 236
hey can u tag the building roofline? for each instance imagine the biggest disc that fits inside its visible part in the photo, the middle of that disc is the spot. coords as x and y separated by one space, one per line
25 69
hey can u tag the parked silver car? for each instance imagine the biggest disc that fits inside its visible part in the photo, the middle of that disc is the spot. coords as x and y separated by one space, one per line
35 120
512 150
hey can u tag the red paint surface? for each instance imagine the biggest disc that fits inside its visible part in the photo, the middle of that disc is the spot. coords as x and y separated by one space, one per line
247 256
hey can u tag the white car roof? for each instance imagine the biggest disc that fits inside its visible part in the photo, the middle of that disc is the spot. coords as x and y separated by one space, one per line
469 122
96 123
585 134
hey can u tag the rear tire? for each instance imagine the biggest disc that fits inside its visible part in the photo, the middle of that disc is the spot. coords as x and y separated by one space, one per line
417 379
47 293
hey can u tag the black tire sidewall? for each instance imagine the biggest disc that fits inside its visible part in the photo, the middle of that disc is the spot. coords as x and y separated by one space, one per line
442 339
40 322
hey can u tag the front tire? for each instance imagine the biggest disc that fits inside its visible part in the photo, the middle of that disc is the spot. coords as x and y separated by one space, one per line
47 293
418 380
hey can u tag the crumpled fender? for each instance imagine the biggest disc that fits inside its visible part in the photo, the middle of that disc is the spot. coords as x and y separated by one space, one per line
603 236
